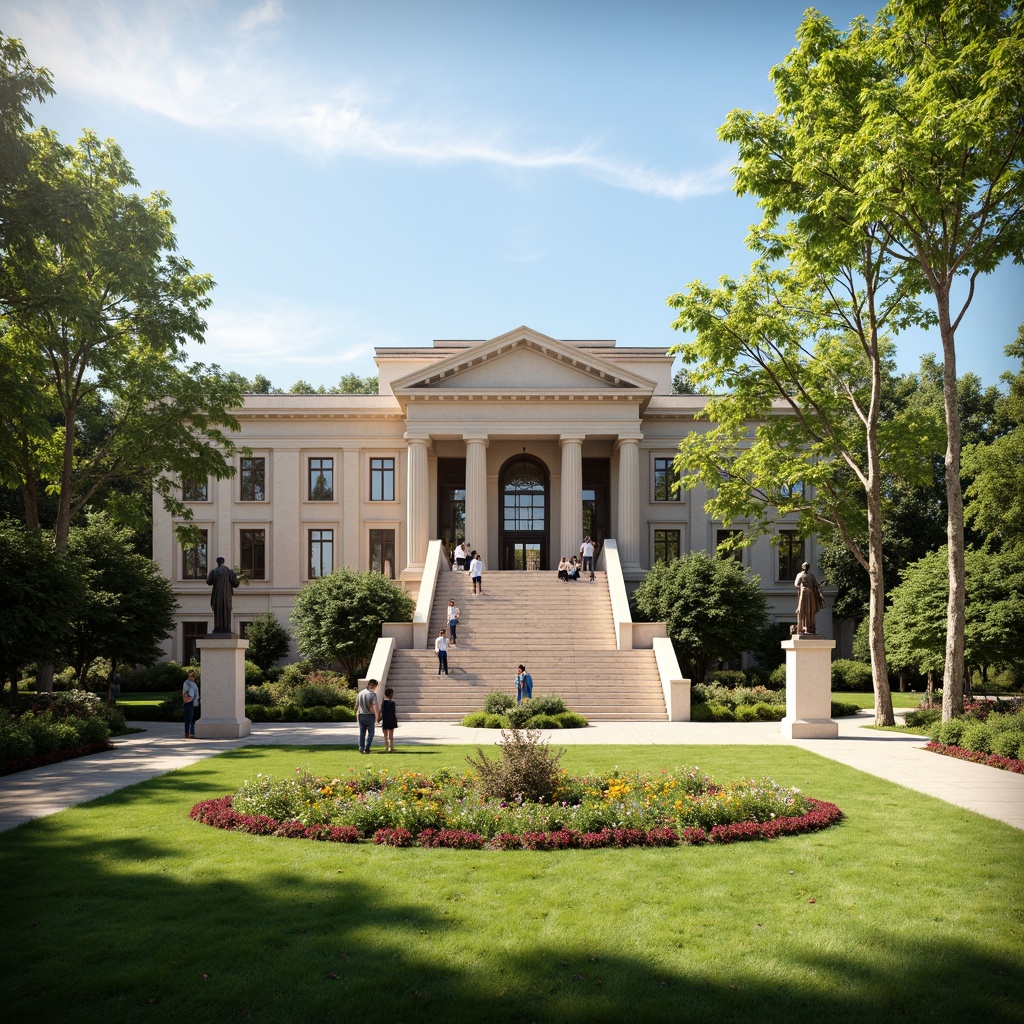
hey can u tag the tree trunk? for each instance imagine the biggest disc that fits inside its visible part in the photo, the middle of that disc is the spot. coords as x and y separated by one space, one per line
903 680
953 674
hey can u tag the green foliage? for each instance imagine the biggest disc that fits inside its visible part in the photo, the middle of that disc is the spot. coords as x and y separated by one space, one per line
851 676
58 721
528 770
713 607
475 720
777 679
498 701
338 617
253 673
544 722
571 720
919 718
841 709
164 675
269 641
729 678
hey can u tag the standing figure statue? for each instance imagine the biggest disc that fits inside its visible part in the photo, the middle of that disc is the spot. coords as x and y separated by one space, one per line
810 600
223 580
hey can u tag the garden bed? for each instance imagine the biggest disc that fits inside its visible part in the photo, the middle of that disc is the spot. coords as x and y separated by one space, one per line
11 765
1007 764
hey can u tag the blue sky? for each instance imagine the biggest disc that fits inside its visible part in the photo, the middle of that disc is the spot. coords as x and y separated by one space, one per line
386 172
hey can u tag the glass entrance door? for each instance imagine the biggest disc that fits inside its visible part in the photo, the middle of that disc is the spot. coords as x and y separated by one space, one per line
522 554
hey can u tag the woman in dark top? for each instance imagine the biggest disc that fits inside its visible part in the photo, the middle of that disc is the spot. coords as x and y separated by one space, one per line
388 720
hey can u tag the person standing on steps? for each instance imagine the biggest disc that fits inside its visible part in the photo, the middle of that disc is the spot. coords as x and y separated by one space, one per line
476 573
587 554
453 621
441 647
461 555
368 713
524 685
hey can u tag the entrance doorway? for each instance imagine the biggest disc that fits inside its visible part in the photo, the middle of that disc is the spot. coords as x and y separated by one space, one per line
524 485
451 503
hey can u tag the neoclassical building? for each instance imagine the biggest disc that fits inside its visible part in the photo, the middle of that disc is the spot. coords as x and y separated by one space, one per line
521 444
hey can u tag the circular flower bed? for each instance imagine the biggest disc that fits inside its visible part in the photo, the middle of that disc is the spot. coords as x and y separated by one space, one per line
446 810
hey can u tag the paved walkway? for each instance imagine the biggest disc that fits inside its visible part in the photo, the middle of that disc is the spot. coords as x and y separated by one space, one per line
161 748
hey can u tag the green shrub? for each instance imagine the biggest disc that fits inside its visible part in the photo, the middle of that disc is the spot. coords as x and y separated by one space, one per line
253 673
261 695
1007 744
519 714
777 678
164 675
712 693
497 702
746 713
548 705
497 722
702 712
544 722
15 739
476 720
976 737
842 709
572 720
922 717
528 770
851 676
730 678
950 733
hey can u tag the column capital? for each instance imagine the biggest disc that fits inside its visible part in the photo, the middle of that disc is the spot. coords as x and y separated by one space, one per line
412 438
624 439
565 439
476 439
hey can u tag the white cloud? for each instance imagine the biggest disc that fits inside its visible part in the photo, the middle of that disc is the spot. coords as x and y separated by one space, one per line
182 63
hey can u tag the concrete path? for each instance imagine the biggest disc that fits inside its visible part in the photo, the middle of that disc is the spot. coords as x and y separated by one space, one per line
161 748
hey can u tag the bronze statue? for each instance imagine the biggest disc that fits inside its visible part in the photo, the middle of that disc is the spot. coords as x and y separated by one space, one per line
224 581
809 602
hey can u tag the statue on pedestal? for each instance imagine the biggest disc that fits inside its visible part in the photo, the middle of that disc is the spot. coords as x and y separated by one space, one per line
224 581
809 602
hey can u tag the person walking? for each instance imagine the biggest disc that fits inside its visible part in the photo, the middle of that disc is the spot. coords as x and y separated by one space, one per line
388 720
190 701
368 713
587 554
453 621
441 647
476 572
524 685
461 555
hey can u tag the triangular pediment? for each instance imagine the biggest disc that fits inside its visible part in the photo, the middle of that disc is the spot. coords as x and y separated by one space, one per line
520 361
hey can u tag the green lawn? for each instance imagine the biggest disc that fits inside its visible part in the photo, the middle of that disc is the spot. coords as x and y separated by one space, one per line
125 910
867 700
144 699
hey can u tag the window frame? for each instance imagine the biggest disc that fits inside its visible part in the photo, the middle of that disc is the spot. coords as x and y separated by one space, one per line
319 471
196 574
311 564
191 489
655 543
386 474
663 478
788 539
259 487
250 572
394 549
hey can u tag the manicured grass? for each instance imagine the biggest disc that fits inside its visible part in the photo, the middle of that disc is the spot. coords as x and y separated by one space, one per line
125 910
867 700
143 699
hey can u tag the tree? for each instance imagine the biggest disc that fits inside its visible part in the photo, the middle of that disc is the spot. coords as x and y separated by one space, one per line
912 127
799 430
353 384
268 640
714 609
40 595
994 611
996 491
338 617
128 607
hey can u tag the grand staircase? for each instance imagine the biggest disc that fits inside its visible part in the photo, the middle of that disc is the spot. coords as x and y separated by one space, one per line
562 632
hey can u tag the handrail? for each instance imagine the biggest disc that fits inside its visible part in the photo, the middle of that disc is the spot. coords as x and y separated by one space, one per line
621 616
428 585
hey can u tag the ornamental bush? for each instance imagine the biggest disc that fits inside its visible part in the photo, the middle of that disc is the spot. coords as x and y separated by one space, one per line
851 676
527 771
497 702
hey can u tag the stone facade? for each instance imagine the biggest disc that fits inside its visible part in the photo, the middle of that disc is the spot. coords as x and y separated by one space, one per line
519 443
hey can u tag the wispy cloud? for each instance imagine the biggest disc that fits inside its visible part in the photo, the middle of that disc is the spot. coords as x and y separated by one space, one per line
184 63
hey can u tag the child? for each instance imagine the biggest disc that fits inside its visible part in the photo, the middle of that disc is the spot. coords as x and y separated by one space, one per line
388 720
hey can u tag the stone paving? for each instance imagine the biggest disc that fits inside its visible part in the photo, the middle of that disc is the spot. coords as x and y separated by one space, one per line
161 748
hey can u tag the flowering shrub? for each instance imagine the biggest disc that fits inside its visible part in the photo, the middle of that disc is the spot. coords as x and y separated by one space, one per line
446 810
1009 764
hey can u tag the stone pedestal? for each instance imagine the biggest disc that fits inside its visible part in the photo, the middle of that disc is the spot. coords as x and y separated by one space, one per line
809 689
222 693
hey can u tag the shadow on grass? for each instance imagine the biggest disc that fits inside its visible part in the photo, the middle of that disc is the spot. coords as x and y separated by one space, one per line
192 924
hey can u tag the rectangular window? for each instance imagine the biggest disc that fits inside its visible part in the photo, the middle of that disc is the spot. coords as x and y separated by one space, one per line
321 479
194 561
665 476
721 537
190 633
253 479
253 552
321 553
666 545
382 552
195 490
791 554
382 479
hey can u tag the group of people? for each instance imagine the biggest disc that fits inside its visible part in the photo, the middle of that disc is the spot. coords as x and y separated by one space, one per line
370 712
469 560
569 569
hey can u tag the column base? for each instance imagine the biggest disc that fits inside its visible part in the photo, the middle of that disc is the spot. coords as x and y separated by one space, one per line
222 728
809 728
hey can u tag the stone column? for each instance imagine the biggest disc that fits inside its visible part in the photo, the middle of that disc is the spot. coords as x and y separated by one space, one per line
476 496
222 689
629 502
571 525
809 689
416 502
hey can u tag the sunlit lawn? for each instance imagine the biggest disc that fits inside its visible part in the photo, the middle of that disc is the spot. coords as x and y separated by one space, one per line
867 700
125 910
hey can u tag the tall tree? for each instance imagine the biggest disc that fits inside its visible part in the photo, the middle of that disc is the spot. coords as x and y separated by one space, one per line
913 123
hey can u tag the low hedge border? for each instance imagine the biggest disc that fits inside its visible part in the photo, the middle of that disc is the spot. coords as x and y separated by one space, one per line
219 813
22 764
1007 764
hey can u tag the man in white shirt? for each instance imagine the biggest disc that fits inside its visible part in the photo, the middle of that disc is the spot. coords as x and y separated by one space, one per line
441 647
587 554
476 573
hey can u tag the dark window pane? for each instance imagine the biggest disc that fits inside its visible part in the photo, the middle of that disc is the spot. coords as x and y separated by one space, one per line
252 479
321 479
195 490
791 554
664 478
194 560
382 479
382 552
321 553
252 545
